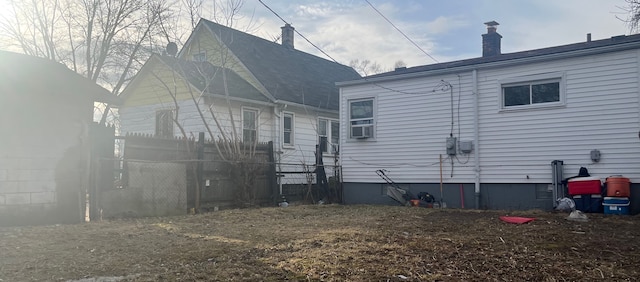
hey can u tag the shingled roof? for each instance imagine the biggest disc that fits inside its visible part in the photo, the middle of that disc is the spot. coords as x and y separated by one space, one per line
29 73
615 41
205 75
287 74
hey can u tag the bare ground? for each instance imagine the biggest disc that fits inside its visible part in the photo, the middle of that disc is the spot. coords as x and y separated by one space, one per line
328 243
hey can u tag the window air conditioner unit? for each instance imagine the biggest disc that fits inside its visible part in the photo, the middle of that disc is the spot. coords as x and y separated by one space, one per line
361 132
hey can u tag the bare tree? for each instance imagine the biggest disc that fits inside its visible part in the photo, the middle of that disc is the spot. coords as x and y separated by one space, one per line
105 41
632 10
366 67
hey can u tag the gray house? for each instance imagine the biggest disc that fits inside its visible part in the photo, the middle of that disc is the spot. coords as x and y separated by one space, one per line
46 113
489 128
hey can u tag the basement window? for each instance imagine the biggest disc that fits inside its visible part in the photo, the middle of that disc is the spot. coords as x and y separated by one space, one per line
532 92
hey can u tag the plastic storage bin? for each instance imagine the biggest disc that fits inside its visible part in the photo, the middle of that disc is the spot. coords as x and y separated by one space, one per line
588 203
616 205
584 186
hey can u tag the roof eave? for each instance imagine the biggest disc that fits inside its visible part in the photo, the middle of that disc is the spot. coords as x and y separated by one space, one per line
495 64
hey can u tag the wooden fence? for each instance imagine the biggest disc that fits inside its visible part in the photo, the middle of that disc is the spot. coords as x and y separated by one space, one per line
164 176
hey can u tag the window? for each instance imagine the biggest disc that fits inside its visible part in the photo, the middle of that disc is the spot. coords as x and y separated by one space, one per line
329 135
361 118
287 128
164 123
200 57
534 91
249 125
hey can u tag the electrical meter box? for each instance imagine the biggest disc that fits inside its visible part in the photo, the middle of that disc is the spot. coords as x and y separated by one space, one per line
466 146
451 145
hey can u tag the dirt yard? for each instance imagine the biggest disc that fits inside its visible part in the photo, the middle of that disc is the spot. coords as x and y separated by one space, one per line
328 243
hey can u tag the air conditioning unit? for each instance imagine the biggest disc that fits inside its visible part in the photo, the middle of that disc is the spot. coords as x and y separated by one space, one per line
362 132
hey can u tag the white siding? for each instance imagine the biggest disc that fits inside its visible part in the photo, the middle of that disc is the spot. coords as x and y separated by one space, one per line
303 150
141 119
601 112
410 131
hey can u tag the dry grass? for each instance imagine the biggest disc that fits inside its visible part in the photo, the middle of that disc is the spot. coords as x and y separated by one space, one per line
328 243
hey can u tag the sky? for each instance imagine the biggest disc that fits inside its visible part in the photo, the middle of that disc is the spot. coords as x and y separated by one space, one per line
447 30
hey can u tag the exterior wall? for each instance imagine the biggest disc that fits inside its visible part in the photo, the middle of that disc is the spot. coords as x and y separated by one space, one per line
149 89
141 119
41 172
515 147
304 147
203 41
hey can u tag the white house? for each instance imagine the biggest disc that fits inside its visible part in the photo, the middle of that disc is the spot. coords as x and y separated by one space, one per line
273 92
497 121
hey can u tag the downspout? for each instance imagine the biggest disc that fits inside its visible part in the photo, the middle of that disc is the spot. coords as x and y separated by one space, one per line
476 137
277 111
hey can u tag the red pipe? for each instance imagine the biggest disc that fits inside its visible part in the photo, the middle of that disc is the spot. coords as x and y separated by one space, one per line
462 194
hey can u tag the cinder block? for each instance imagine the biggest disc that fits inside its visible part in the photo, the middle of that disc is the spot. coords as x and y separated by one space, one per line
37 186
18 174
2 201
43 198
9 187
3 175
17 199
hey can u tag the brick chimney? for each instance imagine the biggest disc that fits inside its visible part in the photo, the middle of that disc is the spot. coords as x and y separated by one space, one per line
287 36
491 40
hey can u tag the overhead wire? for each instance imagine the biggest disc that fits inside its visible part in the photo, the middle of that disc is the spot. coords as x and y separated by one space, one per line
335 61
403 34
323 52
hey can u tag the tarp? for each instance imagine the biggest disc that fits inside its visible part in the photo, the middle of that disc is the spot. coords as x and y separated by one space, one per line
516 219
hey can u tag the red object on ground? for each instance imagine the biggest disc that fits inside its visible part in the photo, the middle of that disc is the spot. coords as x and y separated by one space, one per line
516 219
584 185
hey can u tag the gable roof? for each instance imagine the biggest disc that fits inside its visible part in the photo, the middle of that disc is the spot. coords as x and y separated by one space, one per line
289 75
205 75
29 73
615 43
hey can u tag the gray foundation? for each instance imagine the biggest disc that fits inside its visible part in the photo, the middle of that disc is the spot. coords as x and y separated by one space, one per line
492 196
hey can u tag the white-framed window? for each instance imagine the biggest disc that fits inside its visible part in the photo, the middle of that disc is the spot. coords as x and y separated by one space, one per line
249 125
536 91
200 57
361 118
164 123
329 134
288 125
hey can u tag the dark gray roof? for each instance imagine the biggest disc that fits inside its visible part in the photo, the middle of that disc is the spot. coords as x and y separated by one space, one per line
615 40
205 75
29 73
288 74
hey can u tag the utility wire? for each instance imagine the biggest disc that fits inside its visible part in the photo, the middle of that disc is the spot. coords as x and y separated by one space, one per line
403 34
335 61
323 52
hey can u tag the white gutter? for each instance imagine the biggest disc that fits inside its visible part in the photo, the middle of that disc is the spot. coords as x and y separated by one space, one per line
476 137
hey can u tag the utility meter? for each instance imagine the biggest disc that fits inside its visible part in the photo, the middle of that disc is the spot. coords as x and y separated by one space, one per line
451 145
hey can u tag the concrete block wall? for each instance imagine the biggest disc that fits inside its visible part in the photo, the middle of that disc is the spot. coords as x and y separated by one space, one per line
25 181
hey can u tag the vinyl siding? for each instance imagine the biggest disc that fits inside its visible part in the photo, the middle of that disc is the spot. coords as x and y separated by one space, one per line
601 112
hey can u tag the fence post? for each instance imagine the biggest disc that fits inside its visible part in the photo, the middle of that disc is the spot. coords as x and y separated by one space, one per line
272 174
199 172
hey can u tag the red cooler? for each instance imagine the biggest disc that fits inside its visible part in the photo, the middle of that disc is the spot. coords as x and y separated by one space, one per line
584 185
